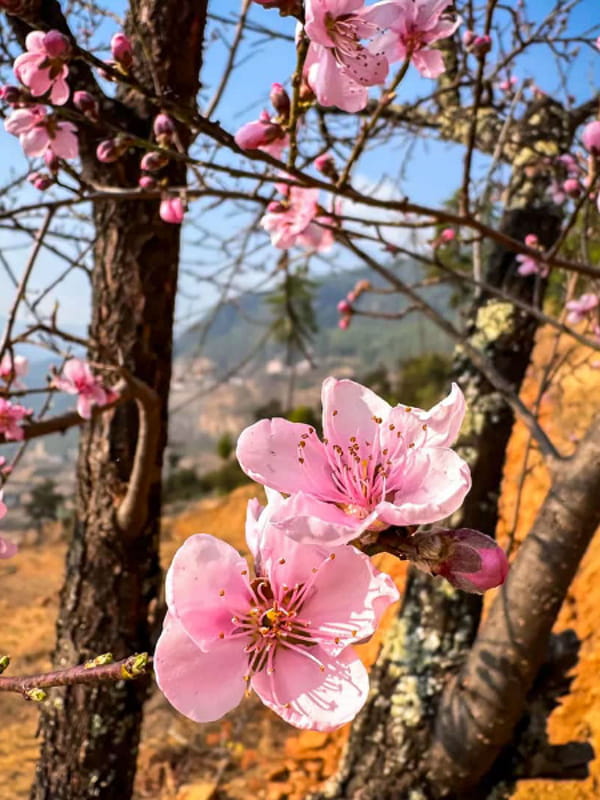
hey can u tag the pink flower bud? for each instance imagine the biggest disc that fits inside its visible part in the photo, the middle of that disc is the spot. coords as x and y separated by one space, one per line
448 235
280 100
344 307
275 207
591 137
153 161
40 180
163 128
468 559
326 166
257 134
11 94
481 45
147 182
344 323
87 104
531 240
109 151
572 187
57 45
121 50
51 161
171 210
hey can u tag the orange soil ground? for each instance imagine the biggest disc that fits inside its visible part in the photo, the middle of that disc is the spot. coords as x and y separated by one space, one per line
253 753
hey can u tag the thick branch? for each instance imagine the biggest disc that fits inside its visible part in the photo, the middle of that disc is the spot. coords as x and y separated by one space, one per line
131 514
481 708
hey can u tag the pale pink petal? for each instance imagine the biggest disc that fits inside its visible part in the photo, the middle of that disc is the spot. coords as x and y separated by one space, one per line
348 610
202 686
311 521
311 698
436 483
206 584
286 456
60 89
84 406
34 42
22 120
443 423
430 63
332 85
351 410
35 141
65 143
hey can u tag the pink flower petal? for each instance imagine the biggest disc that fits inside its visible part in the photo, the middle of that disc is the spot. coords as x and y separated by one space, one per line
311 698
286 456
205 585
7 549
349 609
437 480
351 410
309 520
202 686
430 63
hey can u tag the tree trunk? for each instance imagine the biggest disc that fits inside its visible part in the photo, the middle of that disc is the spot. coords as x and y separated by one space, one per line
90 735
387 755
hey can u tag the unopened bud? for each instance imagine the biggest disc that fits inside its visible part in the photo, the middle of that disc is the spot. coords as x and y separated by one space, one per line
134 666
280 100
57 45
37 695
4 663
99 661
121 50
326 166
87 104
481 45
572 187
11 94
257 134
40 180
153 161
344 307
591 137
147 182
163 128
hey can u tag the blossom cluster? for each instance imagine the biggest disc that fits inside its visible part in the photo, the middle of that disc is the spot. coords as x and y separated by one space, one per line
285 624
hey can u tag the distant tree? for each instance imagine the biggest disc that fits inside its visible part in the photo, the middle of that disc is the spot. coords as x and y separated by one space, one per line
225 446
44 504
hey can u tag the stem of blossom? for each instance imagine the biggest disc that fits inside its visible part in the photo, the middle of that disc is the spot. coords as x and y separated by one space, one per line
367 127
101 669
302 51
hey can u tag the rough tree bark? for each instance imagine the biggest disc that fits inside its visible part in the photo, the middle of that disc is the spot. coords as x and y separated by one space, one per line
90 735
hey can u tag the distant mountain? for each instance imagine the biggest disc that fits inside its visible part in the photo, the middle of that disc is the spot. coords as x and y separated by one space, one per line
234 328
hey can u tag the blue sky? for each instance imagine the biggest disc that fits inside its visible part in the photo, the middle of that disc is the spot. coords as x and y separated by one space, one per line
426 172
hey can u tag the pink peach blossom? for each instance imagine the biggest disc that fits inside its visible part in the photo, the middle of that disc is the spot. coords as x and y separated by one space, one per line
11 415
417 25
42 68
39 132
11 369
338 67
376 466
262 134
77 378
468 559
296 221
284 632
580 308
531 266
